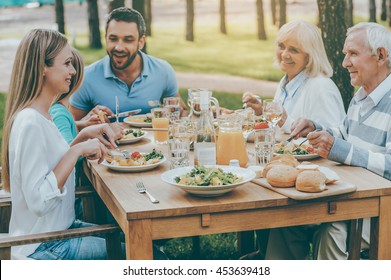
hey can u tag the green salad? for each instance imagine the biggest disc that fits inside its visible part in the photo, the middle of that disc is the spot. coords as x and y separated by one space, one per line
133 133
204 176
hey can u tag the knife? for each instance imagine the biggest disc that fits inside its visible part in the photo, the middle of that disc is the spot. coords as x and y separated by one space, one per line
116 109
126 114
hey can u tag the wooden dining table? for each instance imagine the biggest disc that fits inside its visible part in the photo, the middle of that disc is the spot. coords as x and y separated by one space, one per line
247 207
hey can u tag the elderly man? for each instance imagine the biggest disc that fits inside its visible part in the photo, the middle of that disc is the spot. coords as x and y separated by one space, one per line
364 139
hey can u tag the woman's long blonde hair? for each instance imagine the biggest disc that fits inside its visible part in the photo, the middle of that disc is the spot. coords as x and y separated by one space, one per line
309 39
37 49
77 79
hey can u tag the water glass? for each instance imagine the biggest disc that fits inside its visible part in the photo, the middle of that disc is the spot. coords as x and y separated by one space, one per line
160 120
173 106
264 146
178 152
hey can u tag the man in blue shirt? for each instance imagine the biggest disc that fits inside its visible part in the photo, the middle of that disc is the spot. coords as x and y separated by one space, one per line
137 79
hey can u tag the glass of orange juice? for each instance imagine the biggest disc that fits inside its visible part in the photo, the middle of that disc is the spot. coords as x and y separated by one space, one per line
160 121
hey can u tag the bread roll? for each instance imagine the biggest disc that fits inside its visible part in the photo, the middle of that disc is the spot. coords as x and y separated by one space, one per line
280 160
287 158
282 176
311 181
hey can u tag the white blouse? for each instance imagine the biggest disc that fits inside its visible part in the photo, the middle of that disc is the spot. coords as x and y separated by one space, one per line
319 100
36 146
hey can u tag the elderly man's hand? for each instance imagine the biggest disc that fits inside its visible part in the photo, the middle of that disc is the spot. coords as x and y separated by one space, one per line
322 142
301 127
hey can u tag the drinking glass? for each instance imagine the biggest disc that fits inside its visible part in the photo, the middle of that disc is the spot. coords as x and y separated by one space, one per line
272 111
264 146
160 121
248 121
178 152
173 106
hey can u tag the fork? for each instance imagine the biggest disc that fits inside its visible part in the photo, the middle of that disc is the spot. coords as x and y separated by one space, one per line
141 189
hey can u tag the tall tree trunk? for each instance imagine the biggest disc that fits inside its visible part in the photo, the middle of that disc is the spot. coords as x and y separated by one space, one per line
282 17
139 5
261 21
273 7
93 24
59 8
148 17
349 13
114 4
383 15
223 28
190 20
372 10
332 22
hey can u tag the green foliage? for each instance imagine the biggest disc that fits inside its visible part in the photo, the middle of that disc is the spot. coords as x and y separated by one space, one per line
212 247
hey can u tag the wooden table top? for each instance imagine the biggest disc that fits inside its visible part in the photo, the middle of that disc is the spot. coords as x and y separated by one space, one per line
120 190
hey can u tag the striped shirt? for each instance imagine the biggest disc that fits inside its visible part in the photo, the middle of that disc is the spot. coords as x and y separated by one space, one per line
364 138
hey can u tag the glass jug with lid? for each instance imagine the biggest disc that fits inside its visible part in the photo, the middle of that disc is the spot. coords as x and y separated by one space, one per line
194 102
230 140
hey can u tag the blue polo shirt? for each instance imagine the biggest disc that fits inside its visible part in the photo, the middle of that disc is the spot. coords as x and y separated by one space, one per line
100 86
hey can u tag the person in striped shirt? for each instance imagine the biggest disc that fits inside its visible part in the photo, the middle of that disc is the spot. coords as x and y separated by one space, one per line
363 139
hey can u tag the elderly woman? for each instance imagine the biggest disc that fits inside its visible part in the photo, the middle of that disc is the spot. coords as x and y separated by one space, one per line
306 89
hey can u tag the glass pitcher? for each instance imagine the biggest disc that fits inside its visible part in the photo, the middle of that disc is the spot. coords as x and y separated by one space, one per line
230 140
194 103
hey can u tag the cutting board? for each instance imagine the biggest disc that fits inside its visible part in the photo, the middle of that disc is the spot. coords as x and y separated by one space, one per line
339 187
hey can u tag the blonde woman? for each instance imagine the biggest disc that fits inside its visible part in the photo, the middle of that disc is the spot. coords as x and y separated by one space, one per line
306 89
38 164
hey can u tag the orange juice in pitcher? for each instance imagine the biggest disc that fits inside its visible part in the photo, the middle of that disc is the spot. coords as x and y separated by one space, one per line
230 142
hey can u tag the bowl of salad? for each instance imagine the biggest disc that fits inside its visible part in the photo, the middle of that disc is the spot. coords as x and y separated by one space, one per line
208 181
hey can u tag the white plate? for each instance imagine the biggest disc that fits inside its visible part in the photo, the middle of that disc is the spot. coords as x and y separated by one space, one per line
137 124
208 191
133 168
302 157
132 140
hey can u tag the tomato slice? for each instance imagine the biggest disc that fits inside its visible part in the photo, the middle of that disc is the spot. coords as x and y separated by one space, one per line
261 125
136 155
311 150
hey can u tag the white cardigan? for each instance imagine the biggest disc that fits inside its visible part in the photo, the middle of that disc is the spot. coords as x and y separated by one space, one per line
35 148
319 100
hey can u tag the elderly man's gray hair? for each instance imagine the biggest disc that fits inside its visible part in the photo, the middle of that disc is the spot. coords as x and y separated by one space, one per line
377 37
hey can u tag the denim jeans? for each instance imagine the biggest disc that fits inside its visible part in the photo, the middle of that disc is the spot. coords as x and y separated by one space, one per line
85 248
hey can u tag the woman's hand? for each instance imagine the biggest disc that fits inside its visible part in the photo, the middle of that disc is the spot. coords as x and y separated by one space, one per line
93 149
103 132
250 100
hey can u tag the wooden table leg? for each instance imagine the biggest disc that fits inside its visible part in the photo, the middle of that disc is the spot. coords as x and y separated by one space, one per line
384 238
246 242
138 238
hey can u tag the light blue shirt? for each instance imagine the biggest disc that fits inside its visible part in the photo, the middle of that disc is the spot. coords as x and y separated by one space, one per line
65 123
100 86
290 91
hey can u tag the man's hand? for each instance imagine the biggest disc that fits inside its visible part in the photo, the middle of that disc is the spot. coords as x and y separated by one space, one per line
301 127
321 141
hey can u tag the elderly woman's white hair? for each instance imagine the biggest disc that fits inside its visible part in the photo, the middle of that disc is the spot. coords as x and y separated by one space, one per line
309 40
377 37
